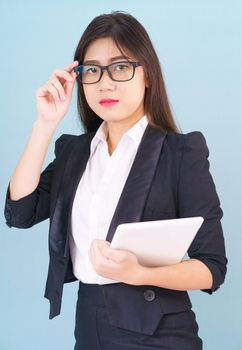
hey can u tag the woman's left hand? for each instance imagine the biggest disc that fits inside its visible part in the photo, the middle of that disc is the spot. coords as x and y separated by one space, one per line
119 265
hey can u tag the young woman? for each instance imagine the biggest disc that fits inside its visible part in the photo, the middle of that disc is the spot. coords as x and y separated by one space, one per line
130 164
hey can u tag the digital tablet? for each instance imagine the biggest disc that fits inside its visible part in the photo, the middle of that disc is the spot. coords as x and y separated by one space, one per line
156 243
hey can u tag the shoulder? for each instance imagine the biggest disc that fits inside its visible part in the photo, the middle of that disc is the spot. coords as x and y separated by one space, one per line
185 142
192 136
64 140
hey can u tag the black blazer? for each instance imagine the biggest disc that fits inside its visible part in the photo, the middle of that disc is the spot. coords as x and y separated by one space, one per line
169 178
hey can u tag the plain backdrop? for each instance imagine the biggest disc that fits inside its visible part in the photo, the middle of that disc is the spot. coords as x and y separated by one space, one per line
199 47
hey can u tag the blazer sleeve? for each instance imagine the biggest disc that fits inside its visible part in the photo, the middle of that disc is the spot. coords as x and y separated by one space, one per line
197 196
34 207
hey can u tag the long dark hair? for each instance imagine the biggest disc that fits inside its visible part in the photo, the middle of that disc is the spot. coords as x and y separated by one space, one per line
128 34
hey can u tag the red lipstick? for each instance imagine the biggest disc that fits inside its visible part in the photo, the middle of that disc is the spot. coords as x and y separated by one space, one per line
106 102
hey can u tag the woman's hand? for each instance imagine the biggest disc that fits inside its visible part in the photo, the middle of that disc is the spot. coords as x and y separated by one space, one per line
54 97
119 265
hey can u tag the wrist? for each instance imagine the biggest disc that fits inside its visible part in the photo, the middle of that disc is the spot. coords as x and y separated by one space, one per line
142 274
45 126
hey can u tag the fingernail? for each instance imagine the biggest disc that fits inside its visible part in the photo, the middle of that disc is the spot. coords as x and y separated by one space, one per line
63 98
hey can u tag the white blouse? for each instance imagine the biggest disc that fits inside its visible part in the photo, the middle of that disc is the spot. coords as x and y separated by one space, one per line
98 193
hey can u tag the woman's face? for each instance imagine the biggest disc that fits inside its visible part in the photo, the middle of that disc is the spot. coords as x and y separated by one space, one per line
130 94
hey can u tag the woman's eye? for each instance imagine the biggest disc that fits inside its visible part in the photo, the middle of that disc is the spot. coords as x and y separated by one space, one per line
91 70
121 67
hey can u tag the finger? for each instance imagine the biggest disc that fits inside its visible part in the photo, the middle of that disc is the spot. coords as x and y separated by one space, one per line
93 249
102 244
49 89
66 79
70 85
103 259
99 242
96 247
113 254
61 92
64 75
97 259
71 66
92 256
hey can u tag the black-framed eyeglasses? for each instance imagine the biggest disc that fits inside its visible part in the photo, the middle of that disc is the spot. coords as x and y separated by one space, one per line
118 71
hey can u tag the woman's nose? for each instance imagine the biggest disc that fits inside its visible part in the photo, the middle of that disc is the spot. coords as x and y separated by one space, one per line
106 81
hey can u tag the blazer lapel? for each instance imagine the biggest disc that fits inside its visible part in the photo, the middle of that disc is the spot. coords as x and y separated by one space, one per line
133 197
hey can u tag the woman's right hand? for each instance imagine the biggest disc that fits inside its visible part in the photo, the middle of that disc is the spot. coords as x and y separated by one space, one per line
51 107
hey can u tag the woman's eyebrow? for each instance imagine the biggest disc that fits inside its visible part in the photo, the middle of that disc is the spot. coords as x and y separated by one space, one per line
110 59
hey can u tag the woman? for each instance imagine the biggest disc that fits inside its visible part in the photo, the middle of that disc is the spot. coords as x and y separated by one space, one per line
131 164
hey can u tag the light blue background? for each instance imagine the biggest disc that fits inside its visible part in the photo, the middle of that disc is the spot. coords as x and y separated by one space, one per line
199 46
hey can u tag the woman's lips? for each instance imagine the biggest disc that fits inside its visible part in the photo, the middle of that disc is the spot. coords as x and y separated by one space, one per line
108 102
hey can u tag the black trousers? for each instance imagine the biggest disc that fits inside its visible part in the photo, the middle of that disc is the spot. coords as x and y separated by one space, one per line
176 331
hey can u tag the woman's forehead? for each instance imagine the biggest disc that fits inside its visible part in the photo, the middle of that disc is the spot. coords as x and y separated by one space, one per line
105 49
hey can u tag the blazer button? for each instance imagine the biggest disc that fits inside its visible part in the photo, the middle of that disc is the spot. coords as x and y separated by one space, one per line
149 295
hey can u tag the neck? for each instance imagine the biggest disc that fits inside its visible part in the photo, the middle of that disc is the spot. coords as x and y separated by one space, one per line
117 129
